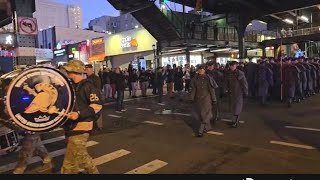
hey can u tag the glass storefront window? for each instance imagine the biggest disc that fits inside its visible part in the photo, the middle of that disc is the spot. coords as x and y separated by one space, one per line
171 60
195 60
180 60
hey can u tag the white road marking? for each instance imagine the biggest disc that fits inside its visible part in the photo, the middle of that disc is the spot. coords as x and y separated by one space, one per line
302 128
215 133
154 123
292 145
53 154
182 114
148 168
228 120
144 109
109 157
114 116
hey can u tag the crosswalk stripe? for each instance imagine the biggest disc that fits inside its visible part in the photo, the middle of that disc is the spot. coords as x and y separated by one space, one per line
144 109
109 157
115 116
215 133
148 168
182 114
53 154
302 128
154 123
292 145
228 120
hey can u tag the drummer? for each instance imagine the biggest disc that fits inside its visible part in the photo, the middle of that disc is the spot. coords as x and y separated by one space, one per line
31 146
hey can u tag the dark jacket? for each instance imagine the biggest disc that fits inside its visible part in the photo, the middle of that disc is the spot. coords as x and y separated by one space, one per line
86 93
120 81
95 80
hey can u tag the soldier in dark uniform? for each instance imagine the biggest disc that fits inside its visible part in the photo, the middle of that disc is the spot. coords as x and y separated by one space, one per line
98 125
80 122
309 78
303 77
218 78
314 74
203 96
291 80
237 87
264 81
250 71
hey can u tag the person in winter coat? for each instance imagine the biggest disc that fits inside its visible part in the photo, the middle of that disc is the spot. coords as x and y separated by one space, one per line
237 87
204 97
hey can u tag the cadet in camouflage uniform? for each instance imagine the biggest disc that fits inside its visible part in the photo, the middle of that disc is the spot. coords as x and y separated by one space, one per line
87 108
31 143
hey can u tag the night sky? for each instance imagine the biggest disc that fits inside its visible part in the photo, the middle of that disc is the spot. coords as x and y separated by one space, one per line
92 9
96 8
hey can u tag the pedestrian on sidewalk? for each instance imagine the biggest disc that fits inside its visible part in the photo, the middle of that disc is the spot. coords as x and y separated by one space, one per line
120 82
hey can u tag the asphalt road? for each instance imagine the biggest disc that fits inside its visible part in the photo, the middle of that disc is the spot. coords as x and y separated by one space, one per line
150 138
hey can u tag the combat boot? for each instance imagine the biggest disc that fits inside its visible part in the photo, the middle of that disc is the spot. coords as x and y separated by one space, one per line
235 122
47 166
19 170
289 102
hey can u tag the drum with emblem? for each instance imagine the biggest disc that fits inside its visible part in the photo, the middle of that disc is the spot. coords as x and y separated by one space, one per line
38 99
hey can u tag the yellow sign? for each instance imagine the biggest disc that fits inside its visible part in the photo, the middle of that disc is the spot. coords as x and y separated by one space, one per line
97 41
133 41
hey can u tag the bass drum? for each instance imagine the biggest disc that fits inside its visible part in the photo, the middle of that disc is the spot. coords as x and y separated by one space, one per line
38 99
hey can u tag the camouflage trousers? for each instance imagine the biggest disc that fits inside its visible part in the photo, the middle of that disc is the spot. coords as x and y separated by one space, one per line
76 157
31 146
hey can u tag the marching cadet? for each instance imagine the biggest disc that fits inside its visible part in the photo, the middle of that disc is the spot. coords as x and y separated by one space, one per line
80 122
264 81
291 80
218 77
31 144
237 87
203 95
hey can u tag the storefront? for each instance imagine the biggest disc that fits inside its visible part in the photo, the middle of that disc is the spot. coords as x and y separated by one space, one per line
60 55
43 55
134 46
97 54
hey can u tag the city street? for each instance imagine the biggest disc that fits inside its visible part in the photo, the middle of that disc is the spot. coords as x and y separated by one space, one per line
150 138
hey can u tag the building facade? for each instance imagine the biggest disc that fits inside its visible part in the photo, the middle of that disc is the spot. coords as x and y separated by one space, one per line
51 14
111 24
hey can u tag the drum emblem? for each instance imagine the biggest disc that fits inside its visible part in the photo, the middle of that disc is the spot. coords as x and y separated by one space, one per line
39 98
45 95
